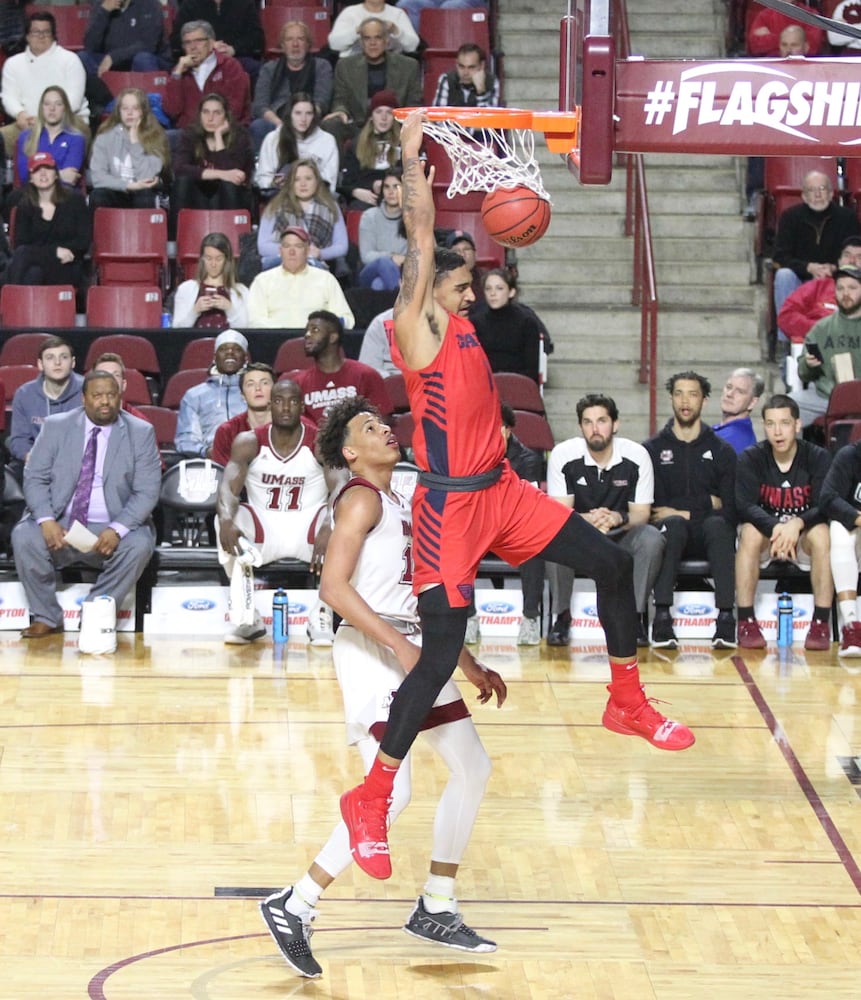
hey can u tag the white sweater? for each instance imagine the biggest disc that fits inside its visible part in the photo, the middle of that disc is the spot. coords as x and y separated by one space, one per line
344 36
320 147
26 76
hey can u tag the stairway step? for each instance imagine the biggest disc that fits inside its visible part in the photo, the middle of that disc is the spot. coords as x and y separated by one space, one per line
658 45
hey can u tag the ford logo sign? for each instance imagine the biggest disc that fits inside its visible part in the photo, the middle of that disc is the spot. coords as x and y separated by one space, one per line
695 610
296 609
591 610
198 604
497 608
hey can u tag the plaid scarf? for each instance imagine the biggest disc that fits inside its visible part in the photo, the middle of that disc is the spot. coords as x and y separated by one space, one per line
318 220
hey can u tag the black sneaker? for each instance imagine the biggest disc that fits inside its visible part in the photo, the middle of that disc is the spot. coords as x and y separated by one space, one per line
291 933
724 637
445 928
663 636
560 631
642 633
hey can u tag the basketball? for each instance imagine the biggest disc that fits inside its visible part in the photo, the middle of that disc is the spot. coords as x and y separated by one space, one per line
515 217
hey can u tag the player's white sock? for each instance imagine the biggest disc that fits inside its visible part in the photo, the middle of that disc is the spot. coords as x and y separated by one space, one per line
438 895
305 896
848 611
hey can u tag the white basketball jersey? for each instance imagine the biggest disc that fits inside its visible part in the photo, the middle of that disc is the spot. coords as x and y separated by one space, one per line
384 572
293 485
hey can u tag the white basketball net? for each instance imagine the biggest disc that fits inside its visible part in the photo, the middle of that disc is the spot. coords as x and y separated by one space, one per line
484 159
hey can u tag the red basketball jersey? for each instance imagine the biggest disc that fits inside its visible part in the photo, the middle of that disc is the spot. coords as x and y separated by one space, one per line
455 405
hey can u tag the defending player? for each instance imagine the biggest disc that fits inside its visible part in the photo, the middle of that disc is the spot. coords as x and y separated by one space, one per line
468 502
367 579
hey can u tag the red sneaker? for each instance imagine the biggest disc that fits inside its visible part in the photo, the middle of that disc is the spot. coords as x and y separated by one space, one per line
750 634
850 644
644 720
818 636
367 823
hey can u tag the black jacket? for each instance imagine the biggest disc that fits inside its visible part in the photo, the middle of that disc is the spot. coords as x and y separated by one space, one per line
804 236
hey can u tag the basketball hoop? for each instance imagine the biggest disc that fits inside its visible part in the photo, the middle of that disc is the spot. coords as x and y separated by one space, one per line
493 148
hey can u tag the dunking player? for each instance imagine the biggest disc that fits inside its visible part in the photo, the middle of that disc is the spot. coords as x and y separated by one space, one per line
468 502
367 579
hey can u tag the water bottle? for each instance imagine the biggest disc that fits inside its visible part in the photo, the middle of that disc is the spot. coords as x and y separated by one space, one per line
279 615
784 620
166 320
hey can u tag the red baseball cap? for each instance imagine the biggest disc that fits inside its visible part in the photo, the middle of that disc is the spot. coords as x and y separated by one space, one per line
39 160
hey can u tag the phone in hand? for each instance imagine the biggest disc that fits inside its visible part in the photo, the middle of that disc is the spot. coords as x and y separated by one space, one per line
814 350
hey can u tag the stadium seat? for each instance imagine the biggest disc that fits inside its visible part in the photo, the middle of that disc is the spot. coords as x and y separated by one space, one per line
132 306
519 391
488 254
13 376
844 406
137 389
72 25
447 30
783 177
154 82
130 246
433 66
164 422
533 430
397 390
404 427
272 17
187 499
195 223
136 352
49 306
197 353
291 356
21 348
179 383
2 406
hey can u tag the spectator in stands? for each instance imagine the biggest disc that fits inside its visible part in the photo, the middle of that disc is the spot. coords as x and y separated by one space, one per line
295 71
837 334
814 300
809 237
415 7
470 84
529 465
382 238
344 38
55 132
236 31
110 362
741 393
115 502
274 465
375 350
255 384
213 163
609 480
763 35
333 376
205 69
778 484
509 333
303 202
125 35
206 406
376 149
56 389
25 76
846 11
300 137
215 299
694 506
793 42
130 155
840 502
12 26
52 230
281 296
359 77
463 243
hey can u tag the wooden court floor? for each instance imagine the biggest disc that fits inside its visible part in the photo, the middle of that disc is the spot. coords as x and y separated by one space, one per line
148 799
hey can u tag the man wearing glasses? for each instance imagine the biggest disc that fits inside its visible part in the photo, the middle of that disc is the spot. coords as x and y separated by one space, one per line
43 63
202 70
809 237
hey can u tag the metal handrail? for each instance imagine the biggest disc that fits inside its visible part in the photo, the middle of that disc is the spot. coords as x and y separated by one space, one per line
644 291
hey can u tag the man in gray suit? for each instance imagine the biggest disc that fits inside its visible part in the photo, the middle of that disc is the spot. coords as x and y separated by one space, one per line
359 77
113 492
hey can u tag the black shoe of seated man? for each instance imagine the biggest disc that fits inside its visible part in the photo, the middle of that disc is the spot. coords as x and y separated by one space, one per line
724 637
663 636
642 633
560 632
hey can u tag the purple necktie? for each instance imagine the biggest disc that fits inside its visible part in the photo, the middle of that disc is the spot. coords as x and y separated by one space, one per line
81 501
